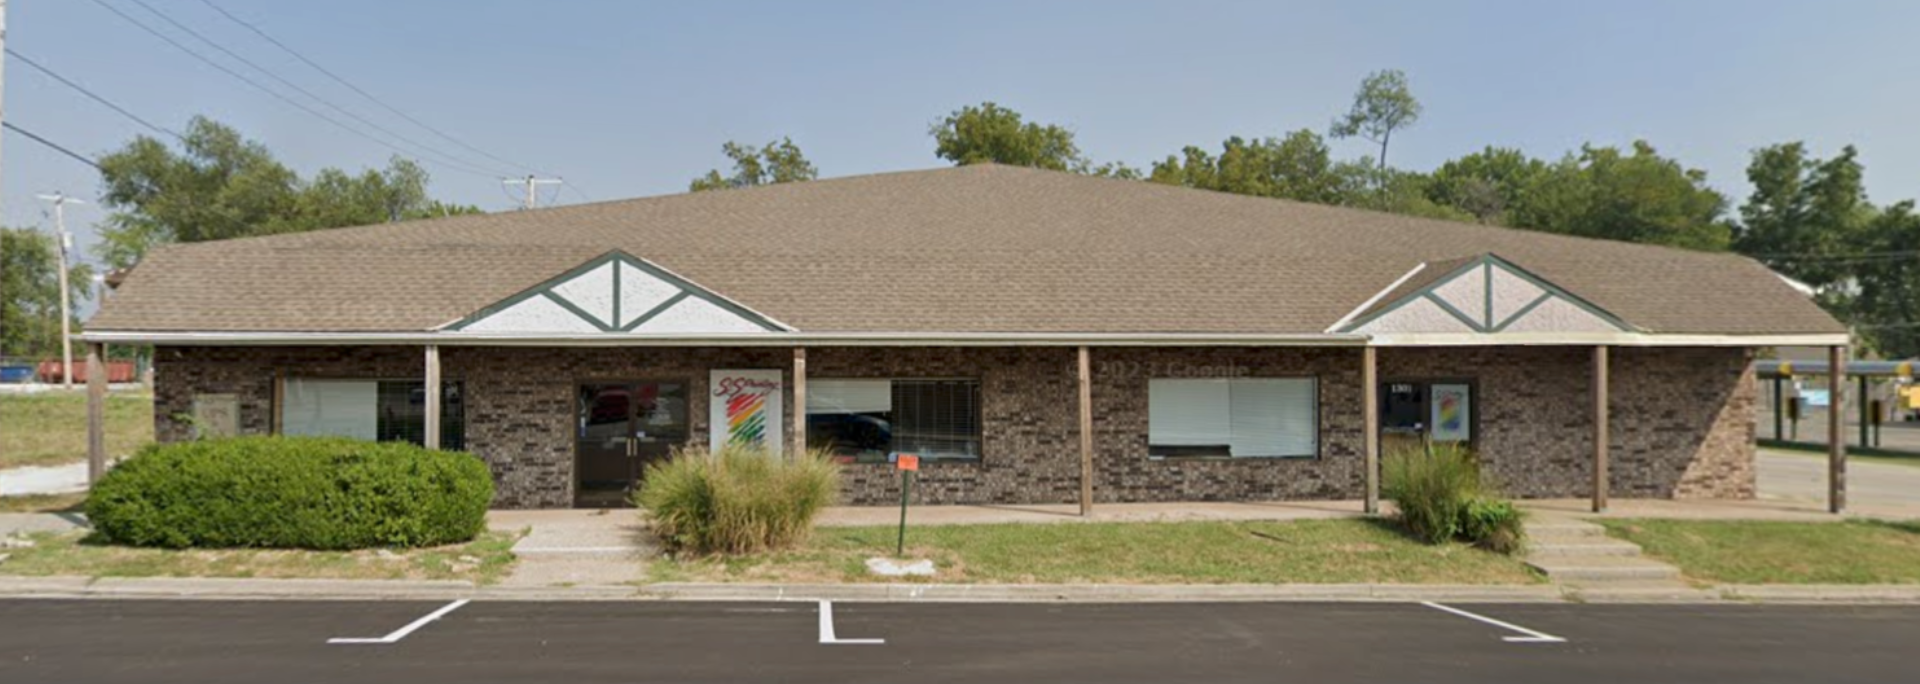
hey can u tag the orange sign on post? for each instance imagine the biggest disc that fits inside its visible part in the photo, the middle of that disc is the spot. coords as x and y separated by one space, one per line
908 462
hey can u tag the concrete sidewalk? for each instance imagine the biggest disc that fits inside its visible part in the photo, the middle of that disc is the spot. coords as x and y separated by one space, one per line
58 479
176 588
850 516
576 548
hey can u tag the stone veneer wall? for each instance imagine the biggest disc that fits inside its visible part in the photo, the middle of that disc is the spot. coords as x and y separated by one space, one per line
1682 418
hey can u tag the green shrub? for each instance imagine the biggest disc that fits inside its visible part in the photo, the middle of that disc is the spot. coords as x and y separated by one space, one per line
291 492
1440 497
740 500
1493 524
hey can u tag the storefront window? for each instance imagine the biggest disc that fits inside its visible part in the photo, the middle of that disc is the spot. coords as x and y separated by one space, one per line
1232 417
377 410
868 420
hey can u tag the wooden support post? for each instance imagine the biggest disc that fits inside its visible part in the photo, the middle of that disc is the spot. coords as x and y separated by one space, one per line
1370 408
1086 433
274 418
96 412
430 437
1836 426
1779 409
799 401
1601 433
1866 410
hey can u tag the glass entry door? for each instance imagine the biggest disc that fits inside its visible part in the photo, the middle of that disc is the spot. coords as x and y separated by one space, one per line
620 428
1414 411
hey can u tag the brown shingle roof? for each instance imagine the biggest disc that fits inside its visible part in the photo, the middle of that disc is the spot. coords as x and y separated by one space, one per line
972 249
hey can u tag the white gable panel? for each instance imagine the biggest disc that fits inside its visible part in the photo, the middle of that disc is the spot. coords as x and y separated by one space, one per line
694 315
1560 315
1418 316
535 314
640 292
1467 292
592 292
1511 293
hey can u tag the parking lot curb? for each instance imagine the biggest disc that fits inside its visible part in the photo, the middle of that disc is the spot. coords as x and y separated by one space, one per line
189 588
1100 593
1820 593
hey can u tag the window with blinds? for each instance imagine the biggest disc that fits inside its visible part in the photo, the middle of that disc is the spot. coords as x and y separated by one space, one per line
867 420
378 410
1233 417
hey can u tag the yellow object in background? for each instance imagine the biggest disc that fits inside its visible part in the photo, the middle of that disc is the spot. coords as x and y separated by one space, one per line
1913 396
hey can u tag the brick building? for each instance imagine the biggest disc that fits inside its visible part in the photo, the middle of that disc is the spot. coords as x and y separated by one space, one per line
1035 337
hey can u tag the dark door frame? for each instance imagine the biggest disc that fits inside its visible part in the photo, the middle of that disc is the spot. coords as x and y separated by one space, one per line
634 461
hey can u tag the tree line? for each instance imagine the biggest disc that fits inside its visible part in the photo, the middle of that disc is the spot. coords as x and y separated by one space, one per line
1805 216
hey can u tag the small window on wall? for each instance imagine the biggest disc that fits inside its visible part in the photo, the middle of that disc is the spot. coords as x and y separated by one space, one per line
868 420
379 410
1233 417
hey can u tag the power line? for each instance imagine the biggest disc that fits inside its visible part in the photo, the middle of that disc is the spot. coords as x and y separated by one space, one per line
421 148
56 146
363 93
96 97
271 92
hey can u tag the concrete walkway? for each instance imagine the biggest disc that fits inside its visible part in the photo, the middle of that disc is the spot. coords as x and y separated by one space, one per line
576 548
59 479
850 516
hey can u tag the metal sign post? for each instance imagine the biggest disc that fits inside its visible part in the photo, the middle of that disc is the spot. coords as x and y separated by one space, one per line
907 463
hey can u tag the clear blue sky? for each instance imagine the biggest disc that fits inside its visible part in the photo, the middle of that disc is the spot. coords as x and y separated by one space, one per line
629 98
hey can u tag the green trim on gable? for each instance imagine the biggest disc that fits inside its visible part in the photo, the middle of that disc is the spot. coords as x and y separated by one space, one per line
687 289
1524 310
1463 316
656 310
1485 265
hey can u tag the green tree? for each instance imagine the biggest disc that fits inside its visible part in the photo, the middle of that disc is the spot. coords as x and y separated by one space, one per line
1886 275
1297 167
1803 212
1488 185
777 162
30 293
1383 104
1637 197
992 133
220 185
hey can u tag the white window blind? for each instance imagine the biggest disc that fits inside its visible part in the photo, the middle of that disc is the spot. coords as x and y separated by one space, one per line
344 408
1240 417
849 396
1188 412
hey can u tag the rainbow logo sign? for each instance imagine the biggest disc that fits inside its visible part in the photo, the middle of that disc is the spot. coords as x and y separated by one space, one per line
744 409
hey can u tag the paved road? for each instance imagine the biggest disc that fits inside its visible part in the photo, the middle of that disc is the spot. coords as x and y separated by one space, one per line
1798 476
286 643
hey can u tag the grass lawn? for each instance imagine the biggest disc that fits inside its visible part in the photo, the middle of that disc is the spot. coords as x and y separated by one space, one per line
50 428
485 560
1306 551
42 503
1751 552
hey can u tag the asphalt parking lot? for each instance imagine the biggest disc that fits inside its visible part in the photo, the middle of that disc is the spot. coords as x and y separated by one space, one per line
286 642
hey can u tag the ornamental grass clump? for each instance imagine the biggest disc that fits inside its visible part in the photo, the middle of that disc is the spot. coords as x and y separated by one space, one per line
1440 497
739 500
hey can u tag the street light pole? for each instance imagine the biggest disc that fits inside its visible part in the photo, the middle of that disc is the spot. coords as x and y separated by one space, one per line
65 243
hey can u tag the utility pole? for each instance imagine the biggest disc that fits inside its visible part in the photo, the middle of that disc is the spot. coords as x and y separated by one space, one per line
532 189
60 202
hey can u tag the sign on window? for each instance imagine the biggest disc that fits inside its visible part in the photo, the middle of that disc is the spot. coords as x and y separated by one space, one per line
744 408
1452 408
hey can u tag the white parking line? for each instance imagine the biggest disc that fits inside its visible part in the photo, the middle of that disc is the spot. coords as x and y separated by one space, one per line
1532 637
826 628
402 633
